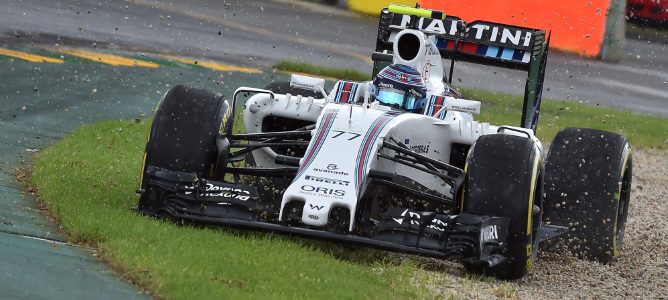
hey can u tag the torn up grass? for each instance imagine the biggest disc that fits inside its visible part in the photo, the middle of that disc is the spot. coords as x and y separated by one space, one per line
335 73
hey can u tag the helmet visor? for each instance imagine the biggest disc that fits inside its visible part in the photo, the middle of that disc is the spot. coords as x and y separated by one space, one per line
399 98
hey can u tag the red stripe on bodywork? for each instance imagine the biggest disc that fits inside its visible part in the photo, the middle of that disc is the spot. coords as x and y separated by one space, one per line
449 44
468 47
365 149
346 88
322 133
438 104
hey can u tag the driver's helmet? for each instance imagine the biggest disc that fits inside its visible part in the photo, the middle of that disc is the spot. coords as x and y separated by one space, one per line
400 86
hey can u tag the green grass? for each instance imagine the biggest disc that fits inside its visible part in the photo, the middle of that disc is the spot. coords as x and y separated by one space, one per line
506 109
349 74
641 130
88 181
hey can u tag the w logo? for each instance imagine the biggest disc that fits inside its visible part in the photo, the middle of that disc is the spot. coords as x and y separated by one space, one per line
318 207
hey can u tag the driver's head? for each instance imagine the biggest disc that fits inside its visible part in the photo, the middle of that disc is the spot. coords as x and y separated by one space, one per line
400 86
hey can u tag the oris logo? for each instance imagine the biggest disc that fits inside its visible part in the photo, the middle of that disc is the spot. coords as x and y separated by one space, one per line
322 191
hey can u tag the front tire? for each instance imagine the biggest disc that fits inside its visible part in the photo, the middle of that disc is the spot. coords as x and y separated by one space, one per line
184 137
504 179
588 189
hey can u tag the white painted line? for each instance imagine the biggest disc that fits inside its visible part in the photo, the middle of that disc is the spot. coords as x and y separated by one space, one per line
44 240
639 71
631 87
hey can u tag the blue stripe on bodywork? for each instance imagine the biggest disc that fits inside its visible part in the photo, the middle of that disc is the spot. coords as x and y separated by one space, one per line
507 53
492 51
321 135
367 144
441 43
366 137
353 93
482 49
339 87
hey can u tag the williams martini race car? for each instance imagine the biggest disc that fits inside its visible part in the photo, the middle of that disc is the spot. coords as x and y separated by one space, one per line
397 163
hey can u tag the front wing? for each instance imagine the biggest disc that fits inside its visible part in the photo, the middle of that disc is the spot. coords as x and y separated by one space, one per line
185 196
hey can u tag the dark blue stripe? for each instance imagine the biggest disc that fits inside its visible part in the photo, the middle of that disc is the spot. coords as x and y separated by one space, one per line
337 99
441 43
482 49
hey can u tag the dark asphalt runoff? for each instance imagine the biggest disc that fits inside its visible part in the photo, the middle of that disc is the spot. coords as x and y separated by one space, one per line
43 101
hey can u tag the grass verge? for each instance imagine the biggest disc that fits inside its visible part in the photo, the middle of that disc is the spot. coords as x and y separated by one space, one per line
506 109
88 182
641 130
350 74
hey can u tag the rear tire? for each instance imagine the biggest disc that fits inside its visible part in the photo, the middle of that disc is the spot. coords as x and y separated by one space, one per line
504 179
588 188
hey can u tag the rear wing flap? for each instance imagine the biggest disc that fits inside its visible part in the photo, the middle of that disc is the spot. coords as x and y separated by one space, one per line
479 42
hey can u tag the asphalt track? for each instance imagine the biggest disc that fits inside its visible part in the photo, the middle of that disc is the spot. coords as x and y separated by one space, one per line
113 59
260 33
41 102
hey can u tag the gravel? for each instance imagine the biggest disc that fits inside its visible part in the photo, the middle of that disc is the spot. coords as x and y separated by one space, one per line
640 272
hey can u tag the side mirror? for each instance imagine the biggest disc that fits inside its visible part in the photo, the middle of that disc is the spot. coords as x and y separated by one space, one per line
463 105
308 83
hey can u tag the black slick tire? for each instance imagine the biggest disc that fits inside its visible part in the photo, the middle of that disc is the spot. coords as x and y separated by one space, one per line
504 179
588 188
183 134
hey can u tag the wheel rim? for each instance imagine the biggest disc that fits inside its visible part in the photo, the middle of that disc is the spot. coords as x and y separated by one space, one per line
624 195
537 217
534 219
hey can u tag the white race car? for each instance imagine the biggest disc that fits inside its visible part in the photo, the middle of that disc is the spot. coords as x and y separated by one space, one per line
405 170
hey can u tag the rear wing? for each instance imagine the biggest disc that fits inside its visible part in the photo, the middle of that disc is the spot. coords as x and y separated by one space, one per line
479 42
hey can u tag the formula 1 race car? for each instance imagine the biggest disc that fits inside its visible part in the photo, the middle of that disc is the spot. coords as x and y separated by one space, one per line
363 164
